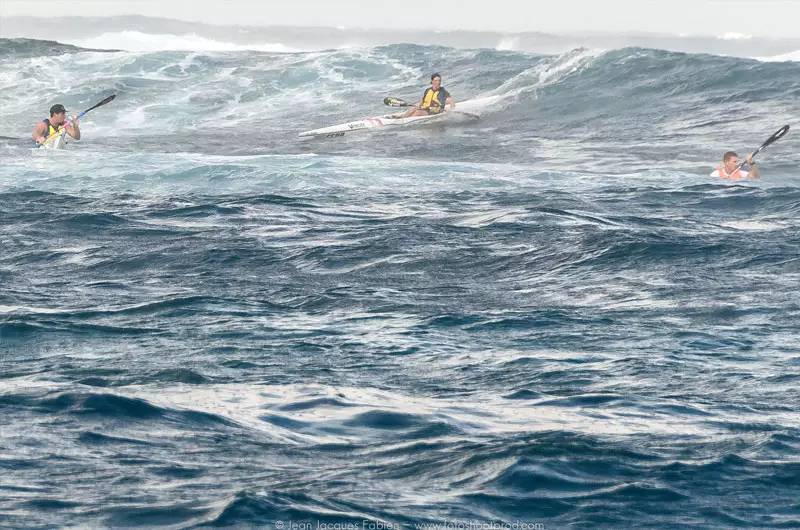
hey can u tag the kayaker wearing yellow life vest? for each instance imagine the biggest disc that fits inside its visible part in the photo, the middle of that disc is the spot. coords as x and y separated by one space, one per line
57 122
730 170
433 101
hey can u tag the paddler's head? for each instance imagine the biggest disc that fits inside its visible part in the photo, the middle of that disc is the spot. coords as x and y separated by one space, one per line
731 161
436 81
58 114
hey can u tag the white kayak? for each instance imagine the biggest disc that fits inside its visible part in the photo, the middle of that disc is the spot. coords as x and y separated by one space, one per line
57 141
469 108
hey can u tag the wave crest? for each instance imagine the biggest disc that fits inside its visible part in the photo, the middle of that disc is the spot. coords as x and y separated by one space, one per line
137 41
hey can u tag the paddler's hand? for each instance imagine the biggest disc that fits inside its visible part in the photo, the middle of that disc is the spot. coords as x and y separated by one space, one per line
75 120
749 160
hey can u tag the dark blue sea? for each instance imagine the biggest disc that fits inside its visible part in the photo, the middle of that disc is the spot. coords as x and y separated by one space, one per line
547 317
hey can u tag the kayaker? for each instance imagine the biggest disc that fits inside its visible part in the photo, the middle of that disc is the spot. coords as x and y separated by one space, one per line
57 122
434 100
730 170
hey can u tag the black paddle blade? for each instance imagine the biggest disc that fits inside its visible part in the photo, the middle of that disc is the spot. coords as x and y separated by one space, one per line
777 136
772 139
394 102
109 99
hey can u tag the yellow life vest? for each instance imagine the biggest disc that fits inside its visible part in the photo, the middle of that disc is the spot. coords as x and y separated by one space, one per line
51 130
431 102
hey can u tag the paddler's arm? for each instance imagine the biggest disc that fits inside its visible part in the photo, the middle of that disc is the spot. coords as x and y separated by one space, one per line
74 129
39 133
450 101
754 173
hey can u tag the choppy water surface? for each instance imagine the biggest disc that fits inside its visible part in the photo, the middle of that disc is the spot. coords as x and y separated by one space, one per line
549 315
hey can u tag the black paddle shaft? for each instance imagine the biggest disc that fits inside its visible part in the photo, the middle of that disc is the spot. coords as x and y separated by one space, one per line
771 140
109 99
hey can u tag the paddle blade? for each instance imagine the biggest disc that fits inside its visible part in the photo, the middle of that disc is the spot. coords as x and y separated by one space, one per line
109 99
777 136
772 139
395 102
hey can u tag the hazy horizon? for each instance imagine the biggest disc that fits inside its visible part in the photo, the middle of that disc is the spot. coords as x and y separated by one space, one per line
739 19
144 33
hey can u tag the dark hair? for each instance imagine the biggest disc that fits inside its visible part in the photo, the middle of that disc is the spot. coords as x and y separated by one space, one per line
730 154
58 108
434 76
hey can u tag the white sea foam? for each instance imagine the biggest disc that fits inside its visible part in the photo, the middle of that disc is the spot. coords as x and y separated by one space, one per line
732 35
138 41
507 44
785 57
547 73
754 225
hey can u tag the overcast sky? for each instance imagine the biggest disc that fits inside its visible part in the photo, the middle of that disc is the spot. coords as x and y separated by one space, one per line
776 18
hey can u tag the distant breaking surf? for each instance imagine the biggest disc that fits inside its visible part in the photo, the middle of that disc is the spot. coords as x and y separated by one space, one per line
137 41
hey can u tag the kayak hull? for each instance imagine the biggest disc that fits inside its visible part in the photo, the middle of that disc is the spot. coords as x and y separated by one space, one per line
472 108
377 122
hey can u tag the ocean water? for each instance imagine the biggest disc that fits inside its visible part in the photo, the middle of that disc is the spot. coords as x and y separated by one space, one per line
547 317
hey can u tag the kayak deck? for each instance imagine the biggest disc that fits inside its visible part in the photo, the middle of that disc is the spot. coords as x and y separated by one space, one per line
390 120
471 108
56 142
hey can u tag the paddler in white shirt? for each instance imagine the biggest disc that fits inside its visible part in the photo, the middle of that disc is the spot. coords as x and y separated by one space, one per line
730 168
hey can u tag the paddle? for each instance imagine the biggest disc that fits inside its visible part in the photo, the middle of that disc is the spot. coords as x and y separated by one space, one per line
109 99
396 102
771 140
